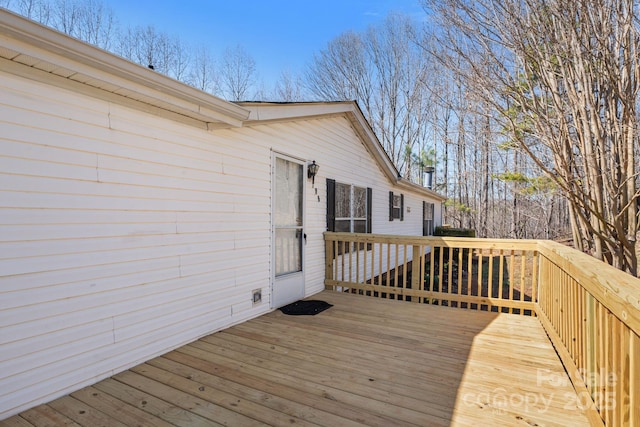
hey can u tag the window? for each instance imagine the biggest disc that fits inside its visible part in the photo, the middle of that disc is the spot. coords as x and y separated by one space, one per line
348 208
396 206
427 218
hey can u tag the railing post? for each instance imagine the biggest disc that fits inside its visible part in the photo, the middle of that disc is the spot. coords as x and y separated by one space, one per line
328 265
417 268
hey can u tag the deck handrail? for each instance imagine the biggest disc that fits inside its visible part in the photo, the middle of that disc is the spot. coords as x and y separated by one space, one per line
590 310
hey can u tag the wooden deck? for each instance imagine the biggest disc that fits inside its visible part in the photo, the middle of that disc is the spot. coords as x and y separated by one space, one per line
365 361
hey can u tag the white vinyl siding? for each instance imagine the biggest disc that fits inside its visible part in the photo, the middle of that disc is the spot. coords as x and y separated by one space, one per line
121 236
124 235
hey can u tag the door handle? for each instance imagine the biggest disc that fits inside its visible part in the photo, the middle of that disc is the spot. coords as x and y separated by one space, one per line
305 238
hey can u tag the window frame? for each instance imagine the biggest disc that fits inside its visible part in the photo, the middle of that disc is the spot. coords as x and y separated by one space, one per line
395 211
428 224
333 218
352 217
331 210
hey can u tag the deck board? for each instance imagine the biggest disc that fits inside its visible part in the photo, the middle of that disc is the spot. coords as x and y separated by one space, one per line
365 361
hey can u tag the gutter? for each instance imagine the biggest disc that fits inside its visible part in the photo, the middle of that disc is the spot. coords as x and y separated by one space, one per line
52 51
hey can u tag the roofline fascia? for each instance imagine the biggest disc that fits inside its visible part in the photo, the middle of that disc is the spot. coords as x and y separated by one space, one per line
52 46
268 112
408 185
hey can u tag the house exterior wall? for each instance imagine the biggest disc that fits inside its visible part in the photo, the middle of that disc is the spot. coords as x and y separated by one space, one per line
124 235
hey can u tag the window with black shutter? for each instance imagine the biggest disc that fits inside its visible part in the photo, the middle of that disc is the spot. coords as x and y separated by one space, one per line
427 218
349 208
396 206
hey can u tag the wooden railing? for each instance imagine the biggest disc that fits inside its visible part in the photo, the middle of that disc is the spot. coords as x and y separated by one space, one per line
496 275
590 310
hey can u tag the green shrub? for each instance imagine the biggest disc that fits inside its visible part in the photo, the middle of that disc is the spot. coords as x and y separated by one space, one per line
454 232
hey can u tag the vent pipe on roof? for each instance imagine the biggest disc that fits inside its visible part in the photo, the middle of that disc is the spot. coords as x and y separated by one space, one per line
429 173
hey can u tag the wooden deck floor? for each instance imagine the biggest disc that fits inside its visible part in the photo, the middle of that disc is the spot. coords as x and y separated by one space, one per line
365 361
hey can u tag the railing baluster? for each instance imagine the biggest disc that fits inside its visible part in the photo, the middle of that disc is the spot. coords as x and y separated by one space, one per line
381 270
417 277
501 277
600 366
373 266
634 378
480 281
469 274
534 278
423 253
432 270
490 277
613 374
356 249
460 268
512 281
335 264
388 269
523 268
404 271
582 325
438 283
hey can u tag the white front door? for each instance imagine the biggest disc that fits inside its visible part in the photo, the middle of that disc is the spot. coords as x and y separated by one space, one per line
288 231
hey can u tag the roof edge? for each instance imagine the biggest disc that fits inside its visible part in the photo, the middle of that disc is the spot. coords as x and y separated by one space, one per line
266 112
50 46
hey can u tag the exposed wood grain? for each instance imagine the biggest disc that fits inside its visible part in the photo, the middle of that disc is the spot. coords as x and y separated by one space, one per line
15 421
634 375
118 409
83 414
46 416
154 406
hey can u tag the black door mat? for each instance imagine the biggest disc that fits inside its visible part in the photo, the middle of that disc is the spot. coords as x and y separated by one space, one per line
305 308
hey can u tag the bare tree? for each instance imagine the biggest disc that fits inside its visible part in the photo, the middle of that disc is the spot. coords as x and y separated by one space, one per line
155 49
149 47
179 60
96 23
288 88
237 74
475 158
386 73
65 17
87 20
203 74
564 77
38 10
342 72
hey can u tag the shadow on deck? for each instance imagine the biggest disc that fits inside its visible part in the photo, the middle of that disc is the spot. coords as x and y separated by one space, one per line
363 362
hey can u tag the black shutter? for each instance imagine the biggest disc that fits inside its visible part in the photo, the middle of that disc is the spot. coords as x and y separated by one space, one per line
369 209
331 204
390 205
402 207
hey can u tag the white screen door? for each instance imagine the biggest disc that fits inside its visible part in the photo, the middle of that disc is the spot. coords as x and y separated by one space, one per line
288 231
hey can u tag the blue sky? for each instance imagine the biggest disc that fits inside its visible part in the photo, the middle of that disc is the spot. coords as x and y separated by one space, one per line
278 34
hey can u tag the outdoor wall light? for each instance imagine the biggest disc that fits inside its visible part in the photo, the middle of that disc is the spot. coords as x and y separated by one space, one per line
312 170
